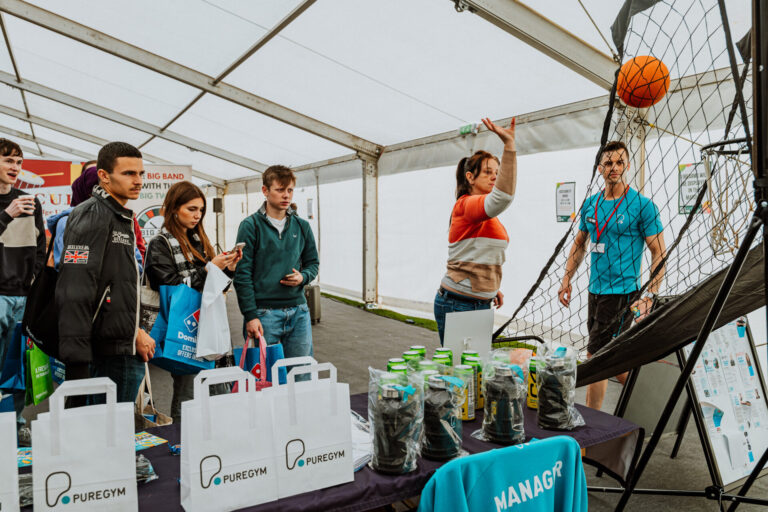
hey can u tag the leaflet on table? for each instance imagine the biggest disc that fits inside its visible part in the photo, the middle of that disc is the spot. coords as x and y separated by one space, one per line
24 457
147 440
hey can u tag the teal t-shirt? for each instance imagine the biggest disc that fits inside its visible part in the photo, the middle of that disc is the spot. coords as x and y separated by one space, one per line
616 256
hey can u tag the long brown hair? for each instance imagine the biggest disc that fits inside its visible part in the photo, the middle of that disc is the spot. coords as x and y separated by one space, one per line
471 164
178 195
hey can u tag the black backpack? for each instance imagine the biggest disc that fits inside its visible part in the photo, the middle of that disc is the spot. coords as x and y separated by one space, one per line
41 317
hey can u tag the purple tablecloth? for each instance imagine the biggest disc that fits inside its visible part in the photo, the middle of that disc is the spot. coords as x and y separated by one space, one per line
370 489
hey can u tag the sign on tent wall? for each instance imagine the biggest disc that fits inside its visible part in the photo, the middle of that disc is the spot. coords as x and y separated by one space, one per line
157 180
51 182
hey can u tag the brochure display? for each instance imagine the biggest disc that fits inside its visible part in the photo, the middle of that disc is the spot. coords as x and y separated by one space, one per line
729 400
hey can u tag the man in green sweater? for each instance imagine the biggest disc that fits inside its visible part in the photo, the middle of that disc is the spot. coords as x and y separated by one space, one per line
279 259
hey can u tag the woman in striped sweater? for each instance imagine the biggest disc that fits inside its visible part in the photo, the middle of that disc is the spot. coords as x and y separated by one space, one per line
477 240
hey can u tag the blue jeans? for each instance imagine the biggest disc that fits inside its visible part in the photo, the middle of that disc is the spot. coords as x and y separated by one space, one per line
125 371
11 313
445 303
290 326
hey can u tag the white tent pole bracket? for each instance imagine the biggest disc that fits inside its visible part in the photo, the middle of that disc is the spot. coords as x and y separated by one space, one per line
546 36
184 74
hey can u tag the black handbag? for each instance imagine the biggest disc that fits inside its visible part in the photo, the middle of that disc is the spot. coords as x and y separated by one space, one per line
41 317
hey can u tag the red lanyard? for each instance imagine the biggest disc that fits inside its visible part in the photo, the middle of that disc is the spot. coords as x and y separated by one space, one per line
597 203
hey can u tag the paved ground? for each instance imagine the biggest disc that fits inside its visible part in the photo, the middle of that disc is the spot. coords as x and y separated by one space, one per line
353 340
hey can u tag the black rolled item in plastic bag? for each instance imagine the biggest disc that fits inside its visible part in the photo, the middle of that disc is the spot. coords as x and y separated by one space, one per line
394 421
556 383
442 424
504 397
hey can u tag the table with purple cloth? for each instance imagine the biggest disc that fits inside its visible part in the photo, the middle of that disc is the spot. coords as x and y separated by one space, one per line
608 442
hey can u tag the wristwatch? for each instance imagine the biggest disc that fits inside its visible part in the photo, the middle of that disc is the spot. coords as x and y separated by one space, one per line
648 295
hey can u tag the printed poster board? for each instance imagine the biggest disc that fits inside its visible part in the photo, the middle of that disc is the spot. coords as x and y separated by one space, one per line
157 180
729 401
565 201
51 182
690 179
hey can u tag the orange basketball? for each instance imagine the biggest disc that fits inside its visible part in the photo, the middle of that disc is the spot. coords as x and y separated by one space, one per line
643 81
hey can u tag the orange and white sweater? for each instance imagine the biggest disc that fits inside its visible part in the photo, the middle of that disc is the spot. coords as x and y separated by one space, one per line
477 240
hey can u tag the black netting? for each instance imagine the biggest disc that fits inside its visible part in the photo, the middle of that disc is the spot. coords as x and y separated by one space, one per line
696 135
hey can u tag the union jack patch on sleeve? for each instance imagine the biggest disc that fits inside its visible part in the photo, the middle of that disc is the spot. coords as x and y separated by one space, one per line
78 257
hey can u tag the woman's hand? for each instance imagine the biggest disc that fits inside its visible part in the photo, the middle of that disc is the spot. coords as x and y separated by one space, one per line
498 300
507 135
238 256
225 259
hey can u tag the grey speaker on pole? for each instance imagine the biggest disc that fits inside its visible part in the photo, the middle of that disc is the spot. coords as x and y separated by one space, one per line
218 205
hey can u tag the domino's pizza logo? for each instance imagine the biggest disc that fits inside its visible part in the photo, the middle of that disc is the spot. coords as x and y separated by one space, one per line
192 321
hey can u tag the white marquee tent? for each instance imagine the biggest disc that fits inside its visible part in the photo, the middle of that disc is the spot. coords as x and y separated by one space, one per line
365 98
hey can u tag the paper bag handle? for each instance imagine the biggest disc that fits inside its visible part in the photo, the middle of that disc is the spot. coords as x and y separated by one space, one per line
291 361
262 356
314 369
146 385
82 387
219 376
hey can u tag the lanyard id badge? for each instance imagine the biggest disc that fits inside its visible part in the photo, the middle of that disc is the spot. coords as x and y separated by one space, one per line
598 248
599 230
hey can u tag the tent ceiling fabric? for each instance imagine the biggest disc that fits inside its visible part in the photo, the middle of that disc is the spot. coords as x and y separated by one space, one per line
393 71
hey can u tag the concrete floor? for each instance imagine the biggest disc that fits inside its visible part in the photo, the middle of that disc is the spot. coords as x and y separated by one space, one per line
353 339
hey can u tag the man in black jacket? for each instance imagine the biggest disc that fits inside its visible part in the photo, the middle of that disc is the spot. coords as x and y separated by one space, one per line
97 292
22 249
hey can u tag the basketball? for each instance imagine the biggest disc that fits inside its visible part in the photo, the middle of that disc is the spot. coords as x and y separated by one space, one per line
643 81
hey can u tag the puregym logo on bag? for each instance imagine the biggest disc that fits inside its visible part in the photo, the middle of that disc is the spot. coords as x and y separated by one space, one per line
58 484
210 471
295 449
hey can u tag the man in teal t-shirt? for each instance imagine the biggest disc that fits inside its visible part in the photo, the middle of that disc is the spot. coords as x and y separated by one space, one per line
619 223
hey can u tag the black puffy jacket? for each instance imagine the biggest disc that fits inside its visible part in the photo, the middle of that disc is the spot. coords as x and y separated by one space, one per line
161 269
97 292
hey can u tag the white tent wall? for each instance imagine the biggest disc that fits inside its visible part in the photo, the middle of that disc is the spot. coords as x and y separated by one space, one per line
415 208
341 228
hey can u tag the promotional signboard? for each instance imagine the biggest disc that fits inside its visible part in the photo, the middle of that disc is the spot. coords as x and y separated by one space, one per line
51 182
157 180
565 201
690 179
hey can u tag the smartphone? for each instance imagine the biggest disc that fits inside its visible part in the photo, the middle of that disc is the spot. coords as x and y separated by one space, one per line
238 246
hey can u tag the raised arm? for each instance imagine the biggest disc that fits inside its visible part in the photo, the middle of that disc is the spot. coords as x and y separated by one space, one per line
506 182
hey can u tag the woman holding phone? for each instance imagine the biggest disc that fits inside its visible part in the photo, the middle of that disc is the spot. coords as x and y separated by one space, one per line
178 255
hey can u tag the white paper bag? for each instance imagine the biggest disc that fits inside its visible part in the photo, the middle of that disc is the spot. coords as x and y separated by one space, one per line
9 473
85 457
313 434
227 450
213 338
